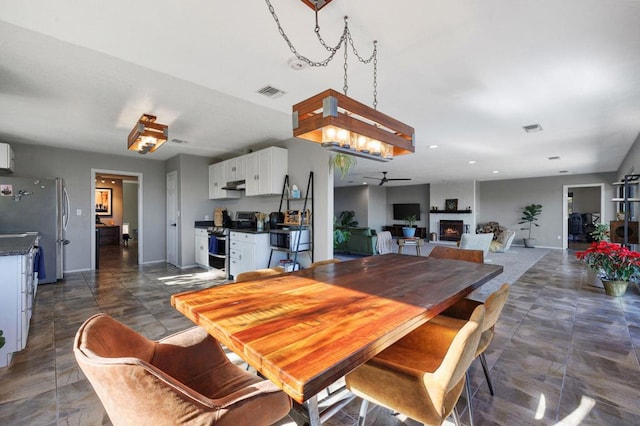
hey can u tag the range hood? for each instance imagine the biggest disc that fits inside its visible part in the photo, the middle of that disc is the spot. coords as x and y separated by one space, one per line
235 185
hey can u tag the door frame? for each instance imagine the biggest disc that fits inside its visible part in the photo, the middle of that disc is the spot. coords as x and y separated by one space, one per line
174 175
565 208
140 241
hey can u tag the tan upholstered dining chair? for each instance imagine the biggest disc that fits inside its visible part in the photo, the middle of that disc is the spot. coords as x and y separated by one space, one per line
444 252
185 378
257 274
423 374
462 310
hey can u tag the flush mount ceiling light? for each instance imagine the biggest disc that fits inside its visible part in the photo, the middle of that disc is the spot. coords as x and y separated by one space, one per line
147 135
340 123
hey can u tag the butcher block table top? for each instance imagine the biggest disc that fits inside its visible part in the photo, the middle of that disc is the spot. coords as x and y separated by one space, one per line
306 329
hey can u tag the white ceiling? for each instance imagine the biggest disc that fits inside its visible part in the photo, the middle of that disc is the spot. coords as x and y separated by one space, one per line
466 74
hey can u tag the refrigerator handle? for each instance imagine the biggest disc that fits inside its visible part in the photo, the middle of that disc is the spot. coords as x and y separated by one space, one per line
67 208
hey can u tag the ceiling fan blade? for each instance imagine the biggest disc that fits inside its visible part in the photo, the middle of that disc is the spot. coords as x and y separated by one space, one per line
381 182
399 179
369 177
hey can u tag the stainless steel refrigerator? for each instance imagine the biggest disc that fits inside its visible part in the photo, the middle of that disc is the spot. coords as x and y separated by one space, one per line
41 205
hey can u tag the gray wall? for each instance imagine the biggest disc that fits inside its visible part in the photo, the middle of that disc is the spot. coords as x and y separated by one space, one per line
408 194
130 206
631 162
354 198
75 168
377 210
503 200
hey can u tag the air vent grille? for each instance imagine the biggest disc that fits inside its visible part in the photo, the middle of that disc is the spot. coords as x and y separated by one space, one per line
271 92
532 128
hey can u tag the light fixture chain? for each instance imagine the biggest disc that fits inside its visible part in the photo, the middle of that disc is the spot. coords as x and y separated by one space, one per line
345 88
306 60
375 75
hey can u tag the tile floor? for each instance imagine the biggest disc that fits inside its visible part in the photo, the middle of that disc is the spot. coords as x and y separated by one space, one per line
564 353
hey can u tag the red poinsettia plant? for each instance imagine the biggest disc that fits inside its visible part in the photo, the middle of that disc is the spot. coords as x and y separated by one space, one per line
612 262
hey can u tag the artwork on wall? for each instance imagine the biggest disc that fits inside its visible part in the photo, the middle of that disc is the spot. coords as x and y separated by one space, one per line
451 204
104 202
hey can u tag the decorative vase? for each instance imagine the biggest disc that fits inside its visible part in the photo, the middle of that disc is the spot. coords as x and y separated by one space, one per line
615 288
260 225
408 232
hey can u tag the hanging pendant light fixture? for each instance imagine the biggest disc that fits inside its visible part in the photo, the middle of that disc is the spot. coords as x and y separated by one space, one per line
147 135
340 123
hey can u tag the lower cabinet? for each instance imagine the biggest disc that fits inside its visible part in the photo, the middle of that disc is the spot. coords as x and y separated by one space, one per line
248 252
202 247
16 302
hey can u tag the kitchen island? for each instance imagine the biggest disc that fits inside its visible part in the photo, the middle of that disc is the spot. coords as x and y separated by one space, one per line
18 286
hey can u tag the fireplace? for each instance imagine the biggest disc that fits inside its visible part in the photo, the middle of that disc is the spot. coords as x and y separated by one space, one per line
451 230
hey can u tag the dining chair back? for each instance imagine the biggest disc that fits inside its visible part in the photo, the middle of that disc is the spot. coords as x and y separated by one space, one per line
257 274
444 252
423 374
185 378
462 310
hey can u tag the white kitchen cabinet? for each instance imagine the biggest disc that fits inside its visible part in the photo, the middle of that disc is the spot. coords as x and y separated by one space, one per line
235 169
266 170
217 181
17 290
248 252
6 157
202 247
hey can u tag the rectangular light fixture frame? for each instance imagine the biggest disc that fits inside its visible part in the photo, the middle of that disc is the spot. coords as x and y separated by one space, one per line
147 135
333 110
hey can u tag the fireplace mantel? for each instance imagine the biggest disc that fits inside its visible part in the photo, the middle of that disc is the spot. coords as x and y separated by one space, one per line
450 211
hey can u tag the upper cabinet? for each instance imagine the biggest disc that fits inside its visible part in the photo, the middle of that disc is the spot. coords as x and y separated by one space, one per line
218 180
235 168
263 171
266 170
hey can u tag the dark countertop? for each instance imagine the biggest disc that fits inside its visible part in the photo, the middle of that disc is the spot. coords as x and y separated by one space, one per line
249 230
17 244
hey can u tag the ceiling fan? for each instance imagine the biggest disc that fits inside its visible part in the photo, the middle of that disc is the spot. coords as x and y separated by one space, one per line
384 179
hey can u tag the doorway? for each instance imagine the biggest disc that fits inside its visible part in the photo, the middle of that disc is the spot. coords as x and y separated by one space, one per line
119 210
583 208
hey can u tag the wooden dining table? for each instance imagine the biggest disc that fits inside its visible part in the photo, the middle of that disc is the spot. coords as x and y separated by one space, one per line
306 329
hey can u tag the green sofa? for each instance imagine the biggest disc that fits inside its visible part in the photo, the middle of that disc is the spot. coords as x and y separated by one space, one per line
362 241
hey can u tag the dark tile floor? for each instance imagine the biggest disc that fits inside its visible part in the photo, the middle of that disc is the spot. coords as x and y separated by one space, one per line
564 353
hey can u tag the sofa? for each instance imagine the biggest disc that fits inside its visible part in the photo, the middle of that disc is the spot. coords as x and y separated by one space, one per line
362 241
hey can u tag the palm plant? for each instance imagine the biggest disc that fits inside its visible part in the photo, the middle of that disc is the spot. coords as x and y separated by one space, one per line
530 215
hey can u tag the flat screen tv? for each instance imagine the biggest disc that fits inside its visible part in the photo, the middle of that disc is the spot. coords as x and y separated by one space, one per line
400 211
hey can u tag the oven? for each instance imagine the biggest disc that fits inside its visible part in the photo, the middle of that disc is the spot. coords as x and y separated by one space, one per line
287 239
219 248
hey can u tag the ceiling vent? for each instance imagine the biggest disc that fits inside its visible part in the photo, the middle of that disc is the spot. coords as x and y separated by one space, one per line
532 128
271 92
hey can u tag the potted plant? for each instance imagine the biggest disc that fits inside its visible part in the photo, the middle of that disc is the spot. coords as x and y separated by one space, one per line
600 232
341 225
529 216
1 339
342 162
409 231
613 263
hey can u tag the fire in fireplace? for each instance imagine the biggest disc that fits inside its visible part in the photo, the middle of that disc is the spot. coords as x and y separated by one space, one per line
451 230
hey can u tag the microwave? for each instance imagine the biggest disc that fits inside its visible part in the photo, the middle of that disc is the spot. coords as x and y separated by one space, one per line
288 239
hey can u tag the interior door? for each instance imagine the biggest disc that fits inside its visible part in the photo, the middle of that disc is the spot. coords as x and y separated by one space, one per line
172 218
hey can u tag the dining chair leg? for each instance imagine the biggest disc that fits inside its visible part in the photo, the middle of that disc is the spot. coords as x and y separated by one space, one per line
456 417
363 412
483 361
467 387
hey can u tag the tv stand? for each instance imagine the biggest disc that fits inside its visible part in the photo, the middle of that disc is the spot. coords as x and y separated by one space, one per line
396 231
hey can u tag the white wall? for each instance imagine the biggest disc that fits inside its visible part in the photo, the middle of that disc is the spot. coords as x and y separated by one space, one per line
464 192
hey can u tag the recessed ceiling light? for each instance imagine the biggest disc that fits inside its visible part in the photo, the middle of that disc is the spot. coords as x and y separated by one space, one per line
433 146
364 183
495 171
555 157
296 64
532 128
472 161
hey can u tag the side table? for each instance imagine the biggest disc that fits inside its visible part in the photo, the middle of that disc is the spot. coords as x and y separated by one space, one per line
414 241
